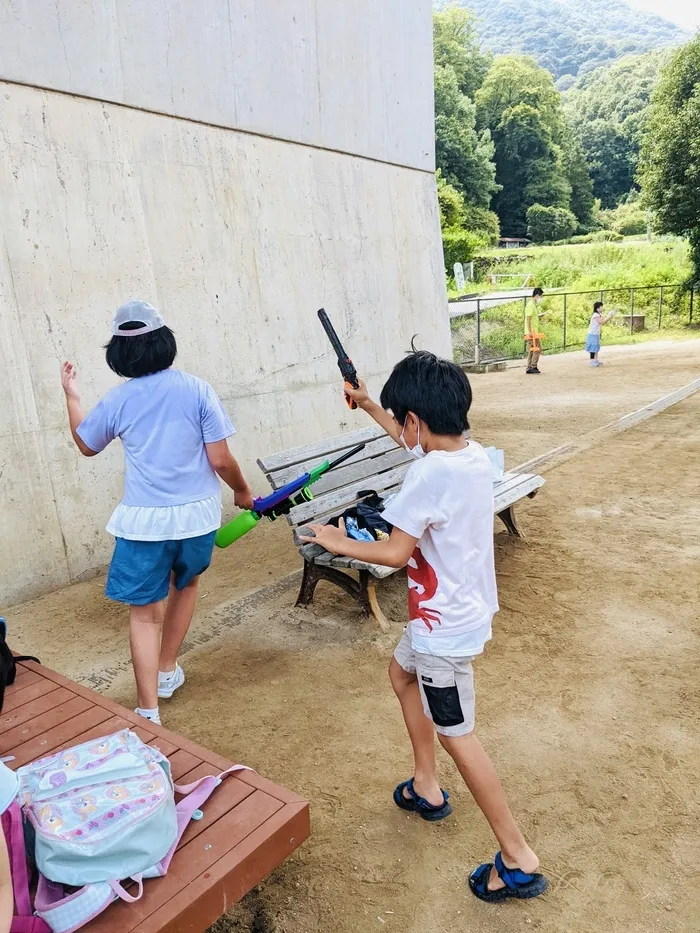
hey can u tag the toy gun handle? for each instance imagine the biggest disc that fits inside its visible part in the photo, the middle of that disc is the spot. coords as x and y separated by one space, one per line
345 364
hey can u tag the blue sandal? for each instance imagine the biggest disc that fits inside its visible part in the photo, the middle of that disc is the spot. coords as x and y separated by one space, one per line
517 883
415 804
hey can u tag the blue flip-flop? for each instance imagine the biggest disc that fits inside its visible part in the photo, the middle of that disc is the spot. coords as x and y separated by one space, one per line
415 804
518 884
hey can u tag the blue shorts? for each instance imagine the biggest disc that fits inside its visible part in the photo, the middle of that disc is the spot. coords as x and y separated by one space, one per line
592 343
140 571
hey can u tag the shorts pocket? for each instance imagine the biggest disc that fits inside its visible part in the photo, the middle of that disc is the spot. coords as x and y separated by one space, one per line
443 700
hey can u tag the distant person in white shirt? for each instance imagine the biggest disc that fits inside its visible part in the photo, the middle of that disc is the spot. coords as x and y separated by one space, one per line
443 533
594 328
174 432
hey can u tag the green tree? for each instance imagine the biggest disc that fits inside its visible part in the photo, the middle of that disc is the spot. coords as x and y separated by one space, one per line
582 202
520 106
609 108
456 45
464 156
670 172
549 224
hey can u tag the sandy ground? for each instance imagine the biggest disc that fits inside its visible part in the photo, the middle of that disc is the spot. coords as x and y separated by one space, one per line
587 698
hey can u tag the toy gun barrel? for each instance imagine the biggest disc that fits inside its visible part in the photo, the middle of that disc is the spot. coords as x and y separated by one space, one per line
278 502
345 364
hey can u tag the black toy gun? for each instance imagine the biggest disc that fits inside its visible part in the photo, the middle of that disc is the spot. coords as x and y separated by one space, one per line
345 364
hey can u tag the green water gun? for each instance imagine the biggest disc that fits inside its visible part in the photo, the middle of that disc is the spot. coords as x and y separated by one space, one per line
280 502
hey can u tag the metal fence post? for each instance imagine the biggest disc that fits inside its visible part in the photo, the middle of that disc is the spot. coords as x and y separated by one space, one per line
661 305
477 345
631 310
564 324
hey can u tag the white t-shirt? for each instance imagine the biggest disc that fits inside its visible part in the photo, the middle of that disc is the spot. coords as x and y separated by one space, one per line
595 325
446 501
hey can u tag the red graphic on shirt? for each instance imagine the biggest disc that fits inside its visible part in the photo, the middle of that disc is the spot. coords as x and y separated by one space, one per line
422 586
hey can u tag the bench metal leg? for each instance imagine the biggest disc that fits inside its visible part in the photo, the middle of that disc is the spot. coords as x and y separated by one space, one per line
363 591
507 516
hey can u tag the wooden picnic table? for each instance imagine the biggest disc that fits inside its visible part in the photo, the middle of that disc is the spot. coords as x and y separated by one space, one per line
250 825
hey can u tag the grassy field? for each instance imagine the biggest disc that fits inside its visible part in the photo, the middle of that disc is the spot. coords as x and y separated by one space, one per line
628 275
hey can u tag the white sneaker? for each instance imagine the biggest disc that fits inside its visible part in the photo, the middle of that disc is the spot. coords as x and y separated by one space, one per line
151 715
169 683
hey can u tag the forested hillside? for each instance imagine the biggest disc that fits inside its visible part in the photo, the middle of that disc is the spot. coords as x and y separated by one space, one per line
609 109
569 37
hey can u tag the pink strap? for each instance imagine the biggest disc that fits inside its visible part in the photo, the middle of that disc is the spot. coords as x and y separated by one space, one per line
124 894
14 834
194 795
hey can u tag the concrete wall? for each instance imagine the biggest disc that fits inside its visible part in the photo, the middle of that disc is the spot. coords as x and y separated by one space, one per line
237 237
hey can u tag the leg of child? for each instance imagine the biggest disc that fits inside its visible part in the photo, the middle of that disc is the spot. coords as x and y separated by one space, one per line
176 623
421 732
480 776
145 634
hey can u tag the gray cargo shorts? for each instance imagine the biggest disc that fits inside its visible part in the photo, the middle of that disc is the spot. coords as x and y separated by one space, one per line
446 687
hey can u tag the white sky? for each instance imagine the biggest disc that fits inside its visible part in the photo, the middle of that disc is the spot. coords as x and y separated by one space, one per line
684 12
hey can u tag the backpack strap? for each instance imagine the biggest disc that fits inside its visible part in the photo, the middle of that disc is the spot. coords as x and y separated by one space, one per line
66 914
193 796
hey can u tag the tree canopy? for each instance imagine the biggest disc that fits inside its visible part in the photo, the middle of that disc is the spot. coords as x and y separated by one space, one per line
609 108
670 172
521 108
570 37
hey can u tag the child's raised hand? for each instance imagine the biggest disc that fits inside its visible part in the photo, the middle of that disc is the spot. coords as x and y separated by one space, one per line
328 536
69 380
360 395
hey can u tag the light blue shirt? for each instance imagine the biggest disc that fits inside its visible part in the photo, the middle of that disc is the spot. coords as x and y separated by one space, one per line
163 422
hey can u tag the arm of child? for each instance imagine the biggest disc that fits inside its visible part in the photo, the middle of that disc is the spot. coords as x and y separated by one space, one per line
6 895
380 415
225 464
392 552
608 317
76 416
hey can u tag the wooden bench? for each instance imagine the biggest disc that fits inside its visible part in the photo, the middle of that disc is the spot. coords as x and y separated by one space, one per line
250 825
381 466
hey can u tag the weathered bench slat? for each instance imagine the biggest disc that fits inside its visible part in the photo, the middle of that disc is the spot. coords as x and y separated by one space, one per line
339 499
319 450
380 466
366 462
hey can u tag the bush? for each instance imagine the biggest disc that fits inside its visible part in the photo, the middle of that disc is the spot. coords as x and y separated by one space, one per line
627 219
600 236
484 222
547 224
460 246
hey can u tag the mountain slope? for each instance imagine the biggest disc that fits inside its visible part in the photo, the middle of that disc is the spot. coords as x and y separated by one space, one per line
570 37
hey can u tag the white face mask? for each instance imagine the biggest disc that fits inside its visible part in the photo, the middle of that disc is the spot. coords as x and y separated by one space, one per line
416 451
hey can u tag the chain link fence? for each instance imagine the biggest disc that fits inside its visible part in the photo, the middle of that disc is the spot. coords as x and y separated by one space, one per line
488 328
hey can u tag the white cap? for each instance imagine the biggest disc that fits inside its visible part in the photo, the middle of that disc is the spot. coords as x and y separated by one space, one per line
135 311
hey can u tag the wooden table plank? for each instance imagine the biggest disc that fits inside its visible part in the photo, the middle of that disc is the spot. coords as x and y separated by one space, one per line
182 762
49 741
23 733
200 903
249 825
34 708
17 696
195 859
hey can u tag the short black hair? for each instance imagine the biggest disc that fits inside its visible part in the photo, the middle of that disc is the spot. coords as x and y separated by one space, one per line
437 391
597 306
143 355
537 292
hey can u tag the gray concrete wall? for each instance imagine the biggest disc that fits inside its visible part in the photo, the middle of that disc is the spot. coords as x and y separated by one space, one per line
237 237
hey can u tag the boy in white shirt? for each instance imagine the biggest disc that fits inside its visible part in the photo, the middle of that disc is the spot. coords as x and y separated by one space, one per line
443 531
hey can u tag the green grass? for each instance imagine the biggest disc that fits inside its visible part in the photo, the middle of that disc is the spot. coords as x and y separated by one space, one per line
615 268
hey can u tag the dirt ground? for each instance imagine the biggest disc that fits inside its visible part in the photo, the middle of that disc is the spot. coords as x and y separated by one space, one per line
587 697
